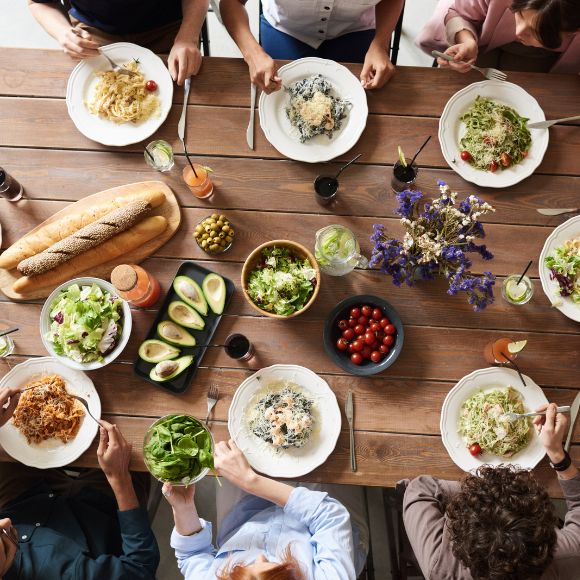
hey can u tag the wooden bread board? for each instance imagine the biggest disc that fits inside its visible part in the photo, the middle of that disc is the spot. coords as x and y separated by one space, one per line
168 209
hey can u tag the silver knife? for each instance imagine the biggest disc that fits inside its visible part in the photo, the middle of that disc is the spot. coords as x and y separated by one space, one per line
181 124
573 416
557 211
546 124
349 410
250 130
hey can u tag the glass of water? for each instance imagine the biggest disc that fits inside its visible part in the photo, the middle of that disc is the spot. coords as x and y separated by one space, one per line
159 155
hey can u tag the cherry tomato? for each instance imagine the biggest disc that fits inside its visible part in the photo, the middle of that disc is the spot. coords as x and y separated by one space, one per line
505 159
359 329
466 156
376 356
356 358
348 334
389 340
357 345
351 348
151 86
384 348
355 312
370 338
377 314
366 310
375 327
343 324
474 449
493 166
390 329
352 322
366 352
524 154
342 344
384 322
363 320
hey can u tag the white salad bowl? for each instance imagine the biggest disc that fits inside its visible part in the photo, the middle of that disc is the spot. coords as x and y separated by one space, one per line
45 326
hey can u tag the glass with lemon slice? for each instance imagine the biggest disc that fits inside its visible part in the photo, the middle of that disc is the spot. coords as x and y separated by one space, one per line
404 174
517 292
159 155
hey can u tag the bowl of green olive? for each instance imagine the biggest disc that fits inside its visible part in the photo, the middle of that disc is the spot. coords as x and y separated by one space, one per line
214 234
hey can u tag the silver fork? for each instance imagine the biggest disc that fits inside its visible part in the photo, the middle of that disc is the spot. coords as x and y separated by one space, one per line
514 416
212 399
349 412
488 73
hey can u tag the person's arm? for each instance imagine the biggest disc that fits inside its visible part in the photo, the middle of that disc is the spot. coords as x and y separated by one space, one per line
423 516
50 16
8 400
185 58
263 70
377 68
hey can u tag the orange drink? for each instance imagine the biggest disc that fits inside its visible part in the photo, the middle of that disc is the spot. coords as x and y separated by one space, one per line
497 351
201 186
135 285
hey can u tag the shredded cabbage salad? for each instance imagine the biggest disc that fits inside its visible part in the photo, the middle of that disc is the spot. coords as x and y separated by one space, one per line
482 420
565 269
85 323
496 135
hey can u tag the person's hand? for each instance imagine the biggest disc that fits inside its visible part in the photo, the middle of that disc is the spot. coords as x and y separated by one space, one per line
114 452
8 400
232 464
377 68
179 497
263 71
184 60
465 51
78 43
552 429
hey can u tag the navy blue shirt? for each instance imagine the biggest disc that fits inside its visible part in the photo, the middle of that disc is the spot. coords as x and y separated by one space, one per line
124 16
81 537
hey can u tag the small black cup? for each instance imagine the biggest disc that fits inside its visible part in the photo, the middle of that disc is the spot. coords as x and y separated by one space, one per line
325 188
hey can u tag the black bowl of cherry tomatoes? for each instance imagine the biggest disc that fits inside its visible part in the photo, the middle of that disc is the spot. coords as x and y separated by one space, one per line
363 335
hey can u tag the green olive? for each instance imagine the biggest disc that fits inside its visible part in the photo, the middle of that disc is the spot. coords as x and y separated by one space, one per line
215 216
196 234
226 228
198 228
222 235
219 224
229 239
203 243
216 240
223 243
205 236
231 232
222 217
214 247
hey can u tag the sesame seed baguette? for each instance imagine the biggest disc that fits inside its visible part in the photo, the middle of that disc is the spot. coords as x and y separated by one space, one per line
53 232
86 238
120 245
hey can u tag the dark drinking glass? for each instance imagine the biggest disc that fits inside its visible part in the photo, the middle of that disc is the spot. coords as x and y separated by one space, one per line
238 347
403 177
9 187
325 188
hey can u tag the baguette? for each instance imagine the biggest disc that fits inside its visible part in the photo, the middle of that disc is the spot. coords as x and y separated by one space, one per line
49 234
86 238
121 244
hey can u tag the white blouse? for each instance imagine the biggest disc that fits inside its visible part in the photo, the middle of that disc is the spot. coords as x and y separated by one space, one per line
314 21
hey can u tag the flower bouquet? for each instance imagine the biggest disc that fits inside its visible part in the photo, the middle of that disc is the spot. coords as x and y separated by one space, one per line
438 237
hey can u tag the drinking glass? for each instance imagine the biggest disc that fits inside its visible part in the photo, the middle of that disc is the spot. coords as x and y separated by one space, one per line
403 177
337 250
159 155
517 294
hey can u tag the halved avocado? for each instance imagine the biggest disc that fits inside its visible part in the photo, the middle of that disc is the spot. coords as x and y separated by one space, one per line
169 369
155 351
214 289
185 315
190 292
174 334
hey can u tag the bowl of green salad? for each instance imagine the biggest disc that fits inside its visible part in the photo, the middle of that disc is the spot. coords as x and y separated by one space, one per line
178 449
85 324
281 279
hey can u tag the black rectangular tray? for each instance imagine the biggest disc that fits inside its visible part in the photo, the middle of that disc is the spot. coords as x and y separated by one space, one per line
180 383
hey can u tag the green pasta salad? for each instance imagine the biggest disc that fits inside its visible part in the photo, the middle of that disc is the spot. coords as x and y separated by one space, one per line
483 422
496 136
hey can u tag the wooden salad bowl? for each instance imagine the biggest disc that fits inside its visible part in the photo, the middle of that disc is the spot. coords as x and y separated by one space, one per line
297 250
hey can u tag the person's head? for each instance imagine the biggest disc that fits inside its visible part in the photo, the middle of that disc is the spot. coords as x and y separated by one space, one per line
262 569
8 545
545 22
502 524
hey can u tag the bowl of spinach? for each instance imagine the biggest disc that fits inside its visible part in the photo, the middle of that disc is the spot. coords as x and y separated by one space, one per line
178 449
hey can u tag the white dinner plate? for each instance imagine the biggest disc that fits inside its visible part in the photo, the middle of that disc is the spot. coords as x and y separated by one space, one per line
487 380
83 79
568 230
293 462
452 129
280 133
52 452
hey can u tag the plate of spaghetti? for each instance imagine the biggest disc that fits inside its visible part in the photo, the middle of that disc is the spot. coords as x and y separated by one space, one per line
49 428
115 108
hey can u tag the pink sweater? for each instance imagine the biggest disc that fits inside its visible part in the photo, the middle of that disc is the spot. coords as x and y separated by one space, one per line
492 23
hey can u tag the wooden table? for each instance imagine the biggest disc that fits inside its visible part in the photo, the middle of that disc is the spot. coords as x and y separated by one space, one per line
266 197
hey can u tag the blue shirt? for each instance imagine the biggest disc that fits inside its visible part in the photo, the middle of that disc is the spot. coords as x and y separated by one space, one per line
125 16
317 527
79 538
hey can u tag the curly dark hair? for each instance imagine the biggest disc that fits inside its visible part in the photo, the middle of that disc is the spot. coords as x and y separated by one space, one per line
502 524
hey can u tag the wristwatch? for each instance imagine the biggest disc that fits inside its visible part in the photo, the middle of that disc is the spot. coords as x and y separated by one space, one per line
562 465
